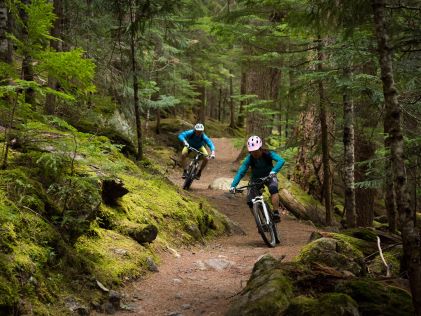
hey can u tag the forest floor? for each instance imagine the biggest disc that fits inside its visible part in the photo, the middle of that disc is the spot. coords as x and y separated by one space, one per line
202 279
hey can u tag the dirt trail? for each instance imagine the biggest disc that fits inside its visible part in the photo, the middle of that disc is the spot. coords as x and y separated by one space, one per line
187 284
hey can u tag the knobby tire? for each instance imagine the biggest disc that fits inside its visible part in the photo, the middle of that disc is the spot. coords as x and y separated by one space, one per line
269 235
191 173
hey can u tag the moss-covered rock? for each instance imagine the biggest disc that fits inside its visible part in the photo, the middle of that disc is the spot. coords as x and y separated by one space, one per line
330 304
335 253
363 233
268 291
302 306
375 298
336 304
144 233
366 247
377 267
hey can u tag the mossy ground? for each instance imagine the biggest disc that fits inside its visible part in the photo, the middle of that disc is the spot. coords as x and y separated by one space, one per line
58 239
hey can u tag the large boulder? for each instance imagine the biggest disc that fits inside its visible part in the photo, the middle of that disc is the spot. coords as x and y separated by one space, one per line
334 253
330 304
376 298
267 292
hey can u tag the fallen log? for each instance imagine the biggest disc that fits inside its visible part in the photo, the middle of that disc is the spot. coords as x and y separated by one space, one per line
302 210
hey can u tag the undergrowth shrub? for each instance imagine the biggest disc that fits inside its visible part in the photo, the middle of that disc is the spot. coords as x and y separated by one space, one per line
79 200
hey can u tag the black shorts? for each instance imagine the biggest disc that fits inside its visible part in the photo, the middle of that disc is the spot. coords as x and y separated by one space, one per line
254 191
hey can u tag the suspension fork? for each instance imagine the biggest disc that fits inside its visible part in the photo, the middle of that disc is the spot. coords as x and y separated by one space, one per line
259 199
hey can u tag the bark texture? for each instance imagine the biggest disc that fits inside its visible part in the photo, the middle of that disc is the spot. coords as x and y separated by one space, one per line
364 151
327 177
349 157
263 82
27 69
232 105
243 91
5 47
139 155
410 234
50 100
390 197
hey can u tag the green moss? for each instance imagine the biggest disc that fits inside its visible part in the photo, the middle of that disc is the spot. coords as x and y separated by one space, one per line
364 233
170 212
361 245
330 304
377 266
21 189
374 298
9 295
302 306
336 304
38 258
334 253
268 291
112 256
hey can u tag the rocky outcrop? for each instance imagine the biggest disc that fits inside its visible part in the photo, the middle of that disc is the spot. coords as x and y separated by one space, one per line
328 278
334 253
267 292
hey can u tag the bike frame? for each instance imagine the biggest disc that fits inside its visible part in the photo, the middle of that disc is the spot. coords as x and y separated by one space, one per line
196 158
261 200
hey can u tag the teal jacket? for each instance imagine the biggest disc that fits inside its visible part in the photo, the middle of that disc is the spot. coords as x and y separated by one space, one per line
196 141
260 168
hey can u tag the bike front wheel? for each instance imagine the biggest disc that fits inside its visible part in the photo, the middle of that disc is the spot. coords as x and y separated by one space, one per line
267 231
191 173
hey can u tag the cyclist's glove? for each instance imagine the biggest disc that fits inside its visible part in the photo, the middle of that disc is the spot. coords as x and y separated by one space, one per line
212 156
232 190
272 174
186 143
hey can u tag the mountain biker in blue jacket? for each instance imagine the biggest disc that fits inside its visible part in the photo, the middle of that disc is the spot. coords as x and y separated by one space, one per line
261 162
197 139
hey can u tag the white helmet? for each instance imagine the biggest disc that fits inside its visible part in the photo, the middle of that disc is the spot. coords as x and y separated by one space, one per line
199 127
254 143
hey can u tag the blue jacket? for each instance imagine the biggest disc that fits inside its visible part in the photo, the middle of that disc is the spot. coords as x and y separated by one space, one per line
261 168
196 141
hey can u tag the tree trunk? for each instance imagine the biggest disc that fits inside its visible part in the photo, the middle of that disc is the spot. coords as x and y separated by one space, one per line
365 150
27 69
263 82
232 105
5 47
243 91
135 86
220 104
349 156
290 101
202 109
410 234
50 100
327 178
390 197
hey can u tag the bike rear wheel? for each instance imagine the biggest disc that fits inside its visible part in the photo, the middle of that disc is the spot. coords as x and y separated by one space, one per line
191 173
267 231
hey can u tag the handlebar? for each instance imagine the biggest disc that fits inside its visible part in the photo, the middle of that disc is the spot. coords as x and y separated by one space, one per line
257 182
197 151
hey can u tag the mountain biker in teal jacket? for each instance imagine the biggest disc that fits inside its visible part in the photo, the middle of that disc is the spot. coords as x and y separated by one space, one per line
197 139
261 163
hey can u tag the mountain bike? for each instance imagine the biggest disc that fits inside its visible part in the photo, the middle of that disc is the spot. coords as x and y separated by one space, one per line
193 168
262 213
